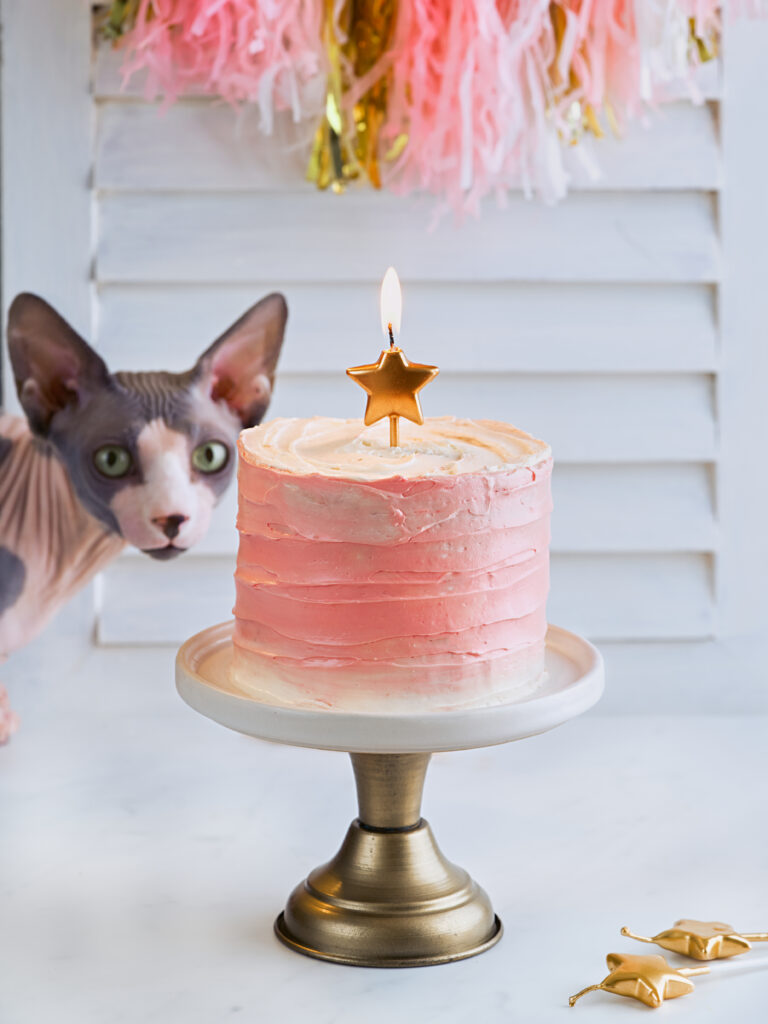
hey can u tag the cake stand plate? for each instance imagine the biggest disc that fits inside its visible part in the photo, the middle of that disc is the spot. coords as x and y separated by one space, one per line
389 898
574 683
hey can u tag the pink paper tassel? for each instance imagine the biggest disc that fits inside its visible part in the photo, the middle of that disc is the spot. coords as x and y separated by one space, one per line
486 92
469 90
601 47
267 52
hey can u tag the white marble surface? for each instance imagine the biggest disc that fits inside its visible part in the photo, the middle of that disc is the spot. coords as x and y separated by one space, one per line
144 852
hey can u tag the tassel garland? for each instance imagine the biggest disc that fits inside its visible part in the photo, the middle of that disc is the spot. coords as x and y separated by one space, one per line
461 100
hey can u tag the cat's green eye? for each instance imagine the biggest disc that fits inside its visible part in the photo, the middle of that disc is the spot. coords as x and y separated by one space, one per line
112 460
210 457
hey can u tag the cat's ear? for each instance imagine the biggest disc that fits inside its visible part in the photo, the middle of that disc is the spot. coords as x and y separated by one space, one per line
239 367
53 366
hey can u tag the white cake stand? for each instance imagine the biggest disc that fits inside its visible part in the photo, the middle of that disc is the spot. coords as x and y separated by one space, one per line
389 898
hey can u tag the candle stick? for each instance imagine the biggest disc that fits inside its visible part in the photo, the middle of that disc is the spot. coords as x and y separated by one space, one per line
392 383
648 979
651 980
702 940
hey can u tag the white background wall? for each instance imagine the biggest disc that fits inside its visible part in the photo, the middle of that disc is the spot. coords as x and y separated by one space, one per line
626 326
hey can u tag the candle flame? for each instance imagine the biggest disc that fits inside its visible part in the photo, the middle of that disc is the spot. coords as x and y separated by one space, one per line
391 303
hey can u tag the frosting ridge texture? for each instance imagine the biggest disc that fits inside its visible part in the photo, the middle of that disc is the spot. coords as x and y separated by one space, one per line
411 575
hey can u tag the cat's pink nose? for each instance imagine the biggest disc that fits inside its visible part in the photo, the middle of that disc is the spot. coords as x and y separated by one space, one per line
170 525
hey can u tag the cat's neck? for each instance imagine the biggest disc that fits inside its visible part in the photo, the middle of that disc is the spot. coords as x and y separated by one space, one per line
42 522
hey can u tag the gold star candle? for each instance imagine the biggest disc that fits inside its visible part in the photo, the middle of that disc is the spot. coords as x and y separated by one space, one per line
702 940
392 383
649 979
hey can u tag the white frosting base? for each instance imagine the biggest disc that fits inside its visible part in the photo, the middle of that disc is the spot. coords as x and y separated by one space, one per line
441 446
506 681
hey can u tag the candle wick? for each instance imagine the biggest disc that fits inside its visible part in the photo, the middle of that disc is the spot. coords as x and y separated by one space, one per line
391 336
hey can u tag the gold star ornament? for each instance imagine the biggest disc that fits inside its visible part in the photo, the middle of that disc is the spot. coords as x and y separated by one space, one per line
648 979
702 940
393 386
392 383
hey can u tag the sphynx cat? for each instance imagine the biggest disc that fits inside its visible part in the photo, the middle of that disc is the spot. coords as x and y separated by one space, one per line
108 459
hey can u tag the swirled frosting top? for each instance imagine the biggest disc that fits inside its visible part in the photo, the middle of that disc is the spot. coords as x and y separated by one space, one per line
442 446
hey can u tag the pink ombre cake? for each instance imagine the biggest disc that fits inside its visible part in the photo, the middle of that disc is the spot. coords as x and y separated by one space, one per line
408 577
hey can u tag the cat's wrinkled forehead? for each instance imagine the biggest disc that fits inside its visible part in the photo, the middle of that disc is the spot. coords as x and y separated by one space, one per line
179 400
176 398
158 394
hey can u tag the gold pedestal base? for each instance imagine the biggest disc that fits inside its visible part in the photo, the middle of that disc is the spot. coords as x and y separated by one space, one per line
389 898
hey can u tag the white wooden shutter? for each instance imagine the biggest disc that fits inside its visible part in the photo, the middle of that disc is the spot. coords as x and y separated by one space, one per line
620 326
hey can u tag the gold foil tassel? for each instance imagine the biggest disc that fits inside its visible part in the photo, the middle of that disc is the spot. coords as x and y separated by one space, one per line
707 46
580 116
341 151
119 17
370 36
329 160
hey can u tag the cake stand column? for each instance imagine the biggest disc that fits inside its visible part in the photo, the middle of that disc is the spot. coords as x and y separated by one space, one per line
389 898
389 789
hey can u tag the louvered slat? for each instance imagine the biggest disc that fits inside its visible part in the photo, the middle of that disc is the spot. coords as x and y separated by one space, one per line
472 326
237 237
601 418
206 145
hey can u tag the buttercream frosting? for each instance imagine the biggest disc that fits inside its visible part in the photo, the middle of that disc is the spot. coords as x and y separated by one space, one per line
442 446
410 575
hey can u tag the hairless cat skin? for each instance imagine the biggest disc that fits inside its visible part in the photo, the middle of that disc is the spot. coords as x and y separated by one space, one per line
108 459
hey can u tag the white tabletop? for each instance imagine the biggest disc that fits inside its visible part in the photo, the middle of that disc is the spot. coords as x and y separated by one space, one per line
144 852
